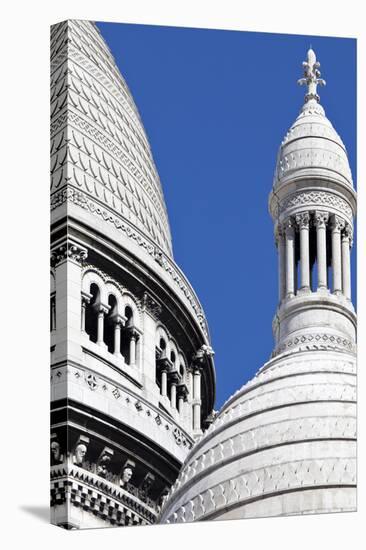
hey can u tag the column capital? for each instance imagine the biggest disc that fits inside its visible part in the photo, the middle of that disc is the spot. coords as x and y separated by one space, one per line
103 308
279 231
289 226
86 297
68 250
119 320
303 220
182 391
337 223
320 218
347 234
134 333
203 352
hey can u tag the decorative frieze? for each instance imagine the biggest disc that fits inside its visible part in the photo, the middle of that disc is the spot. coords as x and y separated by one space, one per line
125 399
316 341
315 199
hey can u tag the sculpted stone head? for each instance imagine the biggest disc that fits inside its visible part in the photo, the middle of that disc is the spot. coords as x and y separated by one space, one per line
55 451
127 474
80 452
102 466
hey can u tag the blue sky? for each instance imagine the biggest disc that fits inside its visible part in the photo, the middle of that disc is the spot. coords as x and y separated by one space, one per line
216 105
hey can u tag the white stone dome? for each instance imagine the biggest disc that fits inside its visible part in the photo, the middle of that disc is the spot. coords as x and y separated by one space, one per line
109 167
285 443
311 148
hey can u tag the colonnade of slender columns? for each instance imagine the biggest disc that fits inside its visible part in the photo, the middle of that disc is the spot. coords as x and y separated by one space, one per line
118 322
340 242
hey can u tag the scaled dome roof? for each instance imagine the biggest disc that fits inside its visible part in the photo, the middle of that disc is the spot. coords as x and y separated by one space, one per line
285 435
108 149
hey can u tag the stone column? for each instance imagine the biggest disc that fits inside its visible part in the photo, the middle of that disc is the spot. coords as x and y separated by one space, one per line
303 220
346 260
118 324
280 237
196 399
337 226
321 219
182 397
173 395
53 311
85 299
100 336
164 383
290 258
180 404
133 340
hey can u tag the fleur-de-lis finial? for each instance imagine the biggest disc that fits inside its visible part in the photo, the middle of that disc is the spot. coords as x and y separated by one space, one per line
311 76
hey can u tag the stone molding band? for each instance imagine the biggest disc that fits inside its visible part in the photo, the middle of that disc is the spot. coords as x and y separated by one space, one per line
80 199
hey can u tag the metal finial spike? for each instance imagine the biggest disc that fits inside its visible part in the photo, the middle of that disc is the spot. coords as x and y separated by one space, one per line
311 76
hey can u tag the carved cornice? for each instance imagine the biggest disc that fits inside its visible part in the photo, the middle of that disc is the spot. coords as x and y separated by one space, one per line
68 250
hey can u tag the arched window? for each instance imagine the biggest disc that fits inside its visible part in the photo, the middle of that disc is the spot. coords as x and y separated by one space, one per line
91 313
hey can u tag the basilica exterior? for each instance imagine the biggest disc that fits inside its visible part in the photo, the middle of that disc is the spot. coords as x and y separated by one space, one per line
134 437
132 372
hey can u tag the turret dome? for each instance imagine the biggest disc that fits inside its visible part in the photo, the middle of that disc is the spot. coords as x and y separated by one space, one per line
312 145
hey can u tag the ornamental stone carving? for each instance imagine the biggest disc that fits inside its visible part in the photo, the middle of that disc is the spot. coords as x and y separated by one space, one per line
315 198
303 220
80 450
321 219
337 223
68 251
151 305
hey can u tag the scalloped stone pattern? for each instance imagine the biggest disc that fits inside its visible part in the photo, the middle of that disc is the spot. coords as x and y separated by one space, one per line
98 143
312 145
285 443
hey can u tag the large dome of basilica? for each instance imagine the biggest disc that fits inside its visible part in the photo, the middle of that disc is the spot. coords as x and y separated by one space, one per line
108 148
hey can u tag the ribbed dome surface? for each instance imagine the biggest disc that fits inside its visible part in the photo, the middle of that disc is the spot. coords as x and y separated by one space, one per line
99 146
312 146
282 439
